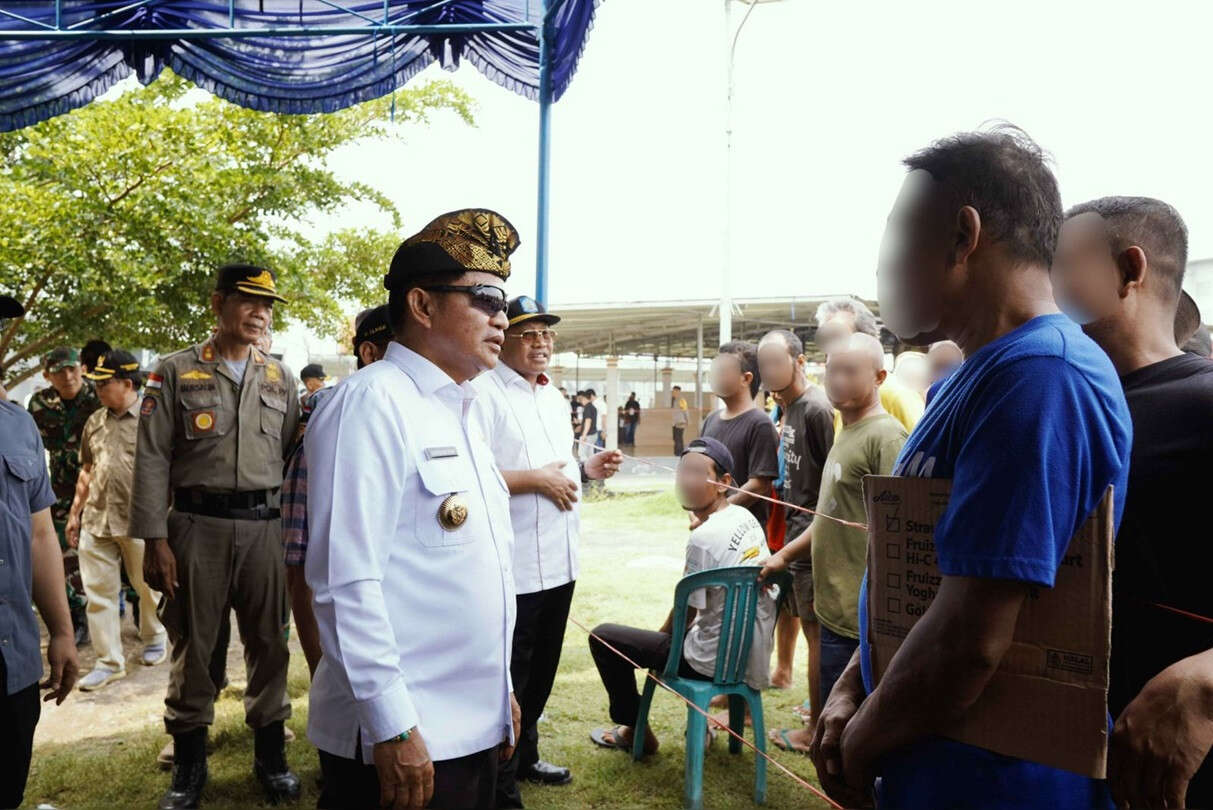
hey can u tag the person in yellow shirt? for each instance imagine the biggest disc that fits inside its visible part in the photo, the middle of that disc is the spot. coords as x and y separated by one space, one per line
840 318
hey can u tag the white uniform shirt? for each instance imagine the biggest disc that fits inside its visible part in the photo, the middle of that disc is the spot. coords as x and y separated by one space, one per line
528 428
416 622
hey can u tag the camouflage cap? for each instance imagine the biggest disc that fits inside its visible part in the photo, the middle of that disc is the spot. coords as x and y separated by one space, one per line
61 358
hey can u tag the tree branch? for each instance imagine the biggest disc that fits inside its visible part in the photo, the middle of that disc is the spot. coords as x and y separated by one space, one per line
133 186
29 304
51 337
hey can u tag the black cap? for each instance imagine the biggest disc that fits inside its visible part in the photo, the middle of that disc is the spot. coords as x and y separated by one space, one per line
371 324
250 280
313 371
115 363
713 449
524 308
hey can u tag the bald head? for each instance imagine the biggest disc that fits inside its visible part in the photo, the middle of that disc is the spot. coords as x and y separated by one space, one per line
854 372
942 357
861 345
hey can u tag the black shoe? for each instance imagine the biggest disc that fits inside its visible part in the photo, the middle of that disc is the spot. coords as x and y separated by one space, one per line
269 764
546 773
279 786
189 771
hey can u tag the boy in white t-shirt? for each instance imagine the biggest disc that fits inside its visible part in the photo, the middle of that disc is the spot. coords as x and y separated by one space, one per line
725 535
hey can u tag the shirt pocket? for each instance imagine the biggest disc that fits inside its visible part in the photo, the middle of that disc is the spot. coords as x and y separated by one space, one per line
442 478
20 476
202 413
273 415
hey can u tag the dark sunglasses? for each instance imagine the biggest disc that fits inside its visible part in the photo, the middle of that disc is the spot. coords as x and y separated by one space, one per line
485 297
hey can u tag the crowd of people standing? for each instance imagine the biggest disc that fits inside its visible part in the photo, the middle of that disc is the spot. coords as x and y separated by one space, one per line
421 523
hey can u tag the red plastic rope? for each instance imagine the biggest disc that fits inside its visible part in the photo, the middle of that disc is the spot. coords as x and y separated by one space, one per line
795 777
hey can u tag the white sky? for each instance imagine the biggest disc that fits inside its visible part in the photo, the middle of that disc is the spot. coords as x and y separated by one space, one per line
829 97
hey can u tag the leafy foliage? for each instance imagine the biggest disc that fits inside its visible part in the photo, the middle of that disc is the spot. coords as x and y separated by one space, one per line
116 215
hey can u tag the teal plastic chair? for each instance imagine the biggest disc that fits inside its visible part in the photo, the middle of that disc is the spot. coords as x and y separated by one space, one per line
732 656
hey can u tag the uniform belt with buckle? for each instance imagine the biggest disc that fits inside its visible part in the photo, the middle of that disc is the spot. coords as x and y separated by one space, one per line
251 505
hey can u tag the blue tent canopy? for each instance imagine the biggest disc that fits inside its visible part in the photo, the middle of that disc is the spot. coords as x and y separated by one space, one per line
288 56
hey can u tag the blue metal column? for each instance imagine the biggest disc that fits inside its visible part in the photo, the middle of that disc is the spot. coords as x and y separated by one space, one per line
545 127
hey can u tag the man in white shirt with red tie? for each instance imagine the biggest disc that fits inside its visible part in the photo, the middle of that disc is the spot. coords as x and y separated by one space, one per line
527 425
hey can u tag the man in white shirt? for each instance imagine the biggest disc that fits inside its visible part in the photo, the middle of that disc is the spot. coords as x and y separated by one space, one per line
410 543
528 427
725 535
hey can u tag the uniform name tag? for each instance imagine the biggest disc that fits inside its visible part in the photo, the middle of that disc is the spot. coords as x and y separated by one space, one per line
440 452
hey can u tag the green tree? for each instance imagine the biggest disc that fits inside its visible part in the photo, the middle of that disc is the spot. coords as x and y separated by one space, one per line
115 216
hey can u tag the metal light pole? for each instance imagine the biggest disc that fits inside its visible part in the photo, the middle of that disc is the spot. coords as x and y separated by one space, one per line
545 156
726 298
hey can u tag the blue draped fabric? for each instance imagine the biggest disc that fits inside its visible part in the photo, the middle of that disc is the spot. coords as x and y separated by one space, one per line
40 78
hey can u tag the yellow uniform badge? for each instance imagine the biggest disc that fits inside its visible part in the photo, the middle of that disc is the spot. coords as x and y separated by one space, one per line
195 374
204 421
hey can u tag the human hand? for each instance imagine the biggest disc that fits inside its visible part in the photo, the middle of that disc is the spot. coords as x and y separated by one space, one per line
406 774
160 566
507 750
1162 737
775 564
64 666
603 465
554 485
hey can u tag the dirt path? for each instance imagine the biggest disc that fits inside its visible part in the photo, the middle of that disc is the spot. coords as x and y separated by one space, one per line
134 703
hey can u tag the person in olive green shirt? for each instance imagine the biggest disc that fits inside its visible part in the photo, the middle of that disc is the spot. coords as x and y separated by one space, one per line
867 444
839 318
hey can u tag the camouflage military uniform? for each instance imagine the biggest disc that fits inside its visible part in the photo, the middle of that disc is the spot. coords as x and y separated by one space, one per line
61 424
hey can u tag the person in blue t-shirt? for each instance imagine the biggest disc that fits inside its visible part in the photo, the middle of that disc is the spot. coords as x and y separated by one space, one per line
1031 429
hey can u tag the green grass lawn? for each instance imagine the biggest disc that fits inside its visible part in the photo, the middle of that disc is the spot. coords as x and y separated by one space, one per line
631 557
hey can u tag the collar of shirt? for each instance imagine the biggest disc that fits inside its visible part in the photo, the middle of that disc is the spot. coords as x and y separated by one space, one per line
133 410
511 377
428 378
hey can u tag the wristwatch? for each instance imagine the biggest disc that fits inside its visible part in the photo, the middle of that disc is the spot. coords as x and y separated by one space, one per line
585 479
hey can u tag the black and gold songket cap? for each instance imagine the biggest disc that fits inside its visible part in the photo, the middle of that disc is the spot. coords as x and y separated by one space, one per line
456 242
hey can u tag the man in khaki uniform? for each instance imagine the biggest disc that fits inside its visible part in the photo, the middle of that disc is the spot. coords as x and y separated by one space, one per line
215 425
99 521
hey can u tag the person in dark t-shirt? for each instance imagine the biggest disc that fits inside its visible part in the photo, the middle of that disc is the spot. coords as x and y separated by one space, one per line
1118 271
805 438
742 426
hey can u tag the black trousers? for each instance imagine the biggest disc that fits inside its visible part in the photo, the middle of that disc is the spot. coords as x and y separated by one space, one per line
19 713
678 434
465 783
538 639
648 648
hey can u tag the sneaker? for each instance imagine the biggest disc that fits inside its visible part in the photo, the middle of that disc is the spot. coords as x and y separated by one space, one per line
153 654
99 677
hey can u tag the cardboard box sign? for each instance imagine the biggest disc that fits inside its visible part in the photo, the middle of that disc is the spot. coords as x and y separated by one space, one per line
1047 702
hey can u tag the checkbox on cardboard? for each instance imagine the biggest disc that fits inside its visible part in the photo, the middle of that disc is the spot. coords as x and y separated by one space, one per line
894 605
893 551
894 580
